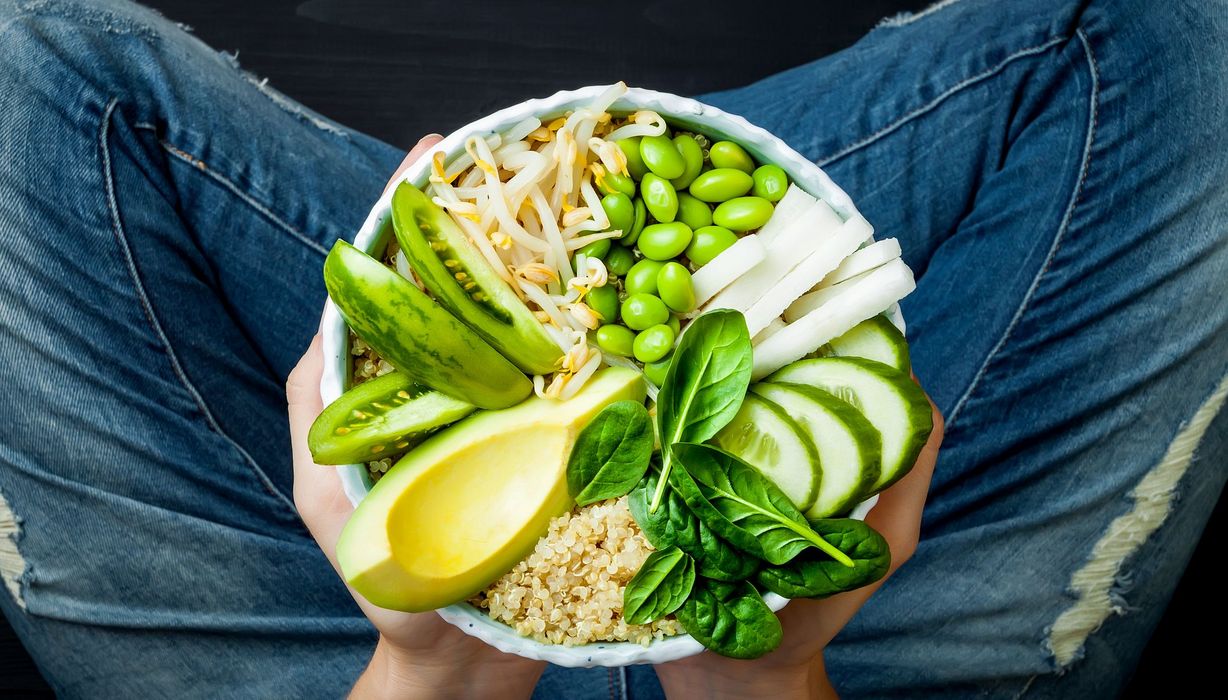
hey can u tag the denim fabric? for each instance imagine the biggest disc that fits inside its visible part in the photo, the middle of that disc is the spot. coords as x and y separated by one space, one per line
1056 171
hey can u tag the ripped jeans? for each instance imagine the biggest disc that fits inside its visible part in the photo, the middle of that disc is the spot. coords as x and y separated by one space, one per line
1056 171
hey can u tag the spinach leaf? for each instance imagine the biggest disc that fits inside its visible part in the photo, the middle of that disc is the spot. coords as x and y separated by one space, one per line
731 619
611 453
815 575
660 587
705 385
743 506
721 560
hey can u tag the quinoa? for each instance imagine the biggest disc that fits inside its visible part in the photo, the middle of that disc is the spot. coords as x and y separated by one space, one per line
569 591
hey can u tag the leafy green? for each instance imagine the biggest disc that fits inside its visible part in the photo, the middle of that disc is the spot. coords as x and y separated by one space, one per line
731 619
743 506
815 575
660 587
705 385
611 453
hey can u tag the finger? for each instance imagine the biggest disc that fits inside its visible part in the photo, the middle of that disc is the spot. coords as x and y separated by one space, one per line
424 144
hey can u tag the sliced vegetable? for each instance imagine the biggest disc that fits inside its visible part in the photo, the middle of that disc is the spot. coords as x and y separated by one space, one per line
772 327
863 260
611 453
660 587
729 265
815 575
730 619
874 339
765 436
788 208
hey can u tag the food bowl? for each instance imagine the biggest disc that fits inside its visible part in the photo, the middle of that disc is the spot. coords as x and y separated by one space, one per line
377 230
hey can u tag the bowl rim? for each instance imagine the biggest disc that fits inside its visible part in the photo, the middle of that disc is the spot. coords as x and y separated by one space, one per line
356 481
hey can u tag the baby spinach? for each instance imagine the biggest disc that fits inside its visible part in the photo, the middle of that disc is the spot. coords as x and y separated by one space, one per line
705 384
611 453
815 575
731 619
743 506
660 587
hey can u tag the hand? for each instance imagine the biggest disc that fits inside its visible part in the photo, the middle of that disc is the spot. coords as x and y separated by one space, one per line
795 669
418 655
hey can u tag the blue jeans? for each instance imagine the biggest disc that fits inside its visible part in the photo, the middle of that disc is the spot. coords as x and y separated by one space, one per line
1056 170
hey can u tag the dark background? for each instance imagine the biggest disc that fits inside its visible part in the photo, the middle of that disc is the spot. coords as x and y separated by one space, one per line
399 70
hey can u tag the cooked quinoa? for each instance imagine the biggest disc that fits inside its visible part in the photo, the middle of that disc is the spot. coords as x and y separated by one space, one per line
569 591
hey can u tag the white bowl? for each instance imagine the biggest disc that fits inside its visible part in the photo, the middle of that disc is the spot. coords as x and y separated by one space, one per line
375 231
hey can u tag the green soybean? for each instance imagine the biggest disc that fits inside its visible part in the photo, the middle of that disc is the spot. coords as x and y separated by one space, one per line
660 198
619 261
656 371
674 323
610 182
727 154
653 343
620 210
604 300
642 277
692 157
664 241
616 340
637 225
693 212
643 311
743 213
707 243
596 249
771 182
675 288
662 156
720 185
635 164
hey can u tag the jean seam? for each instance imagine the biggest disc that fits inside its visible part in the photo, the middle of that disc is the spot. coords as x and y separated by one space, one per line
934 103
199 165
125 248
1075 197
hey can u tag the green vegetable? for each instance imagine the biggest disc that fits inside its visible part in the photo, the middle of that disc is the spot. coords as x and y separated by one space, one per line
642 277
660 587
656 371
611 182
596 249
815 575
660 198
637 225
653 343
674 323
743 213
664 241
662 156
693 212
692 156
619 261
730 619
705 384
643 311
416 335
742 505
604 300
709 242
771 182
611 453
621 211
720 184
675 288
635 164
616 340
727 154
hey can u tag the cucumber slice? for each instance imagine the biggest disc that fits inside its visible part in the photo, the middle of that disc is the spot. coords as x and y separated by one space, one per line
874 339
850 448
765 437
889 399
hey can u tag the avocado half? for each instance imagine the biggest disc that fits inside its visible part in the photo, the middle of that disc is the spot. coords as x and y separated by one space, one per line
457 275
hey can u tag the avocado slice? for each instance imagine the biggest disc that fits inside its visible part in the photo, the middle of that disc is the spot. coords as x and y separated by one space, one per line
457 275
464 506
416 335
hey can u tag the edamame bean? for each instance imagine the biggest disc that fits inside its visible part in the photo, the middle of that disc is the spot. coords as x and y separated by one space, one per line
653 343
674 287
660 198
604 300
643 311
619 261
635 164
770 182
662 156
721 184
656 371
674 323
727 154
693 212
692 157
620 210
664 241
743 213
596 249
641 216
642 277
616 340
707 243
611 182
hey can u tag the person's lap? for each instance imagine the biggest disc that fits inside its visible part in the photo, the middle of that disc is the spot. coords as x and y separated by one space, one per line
1055 188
